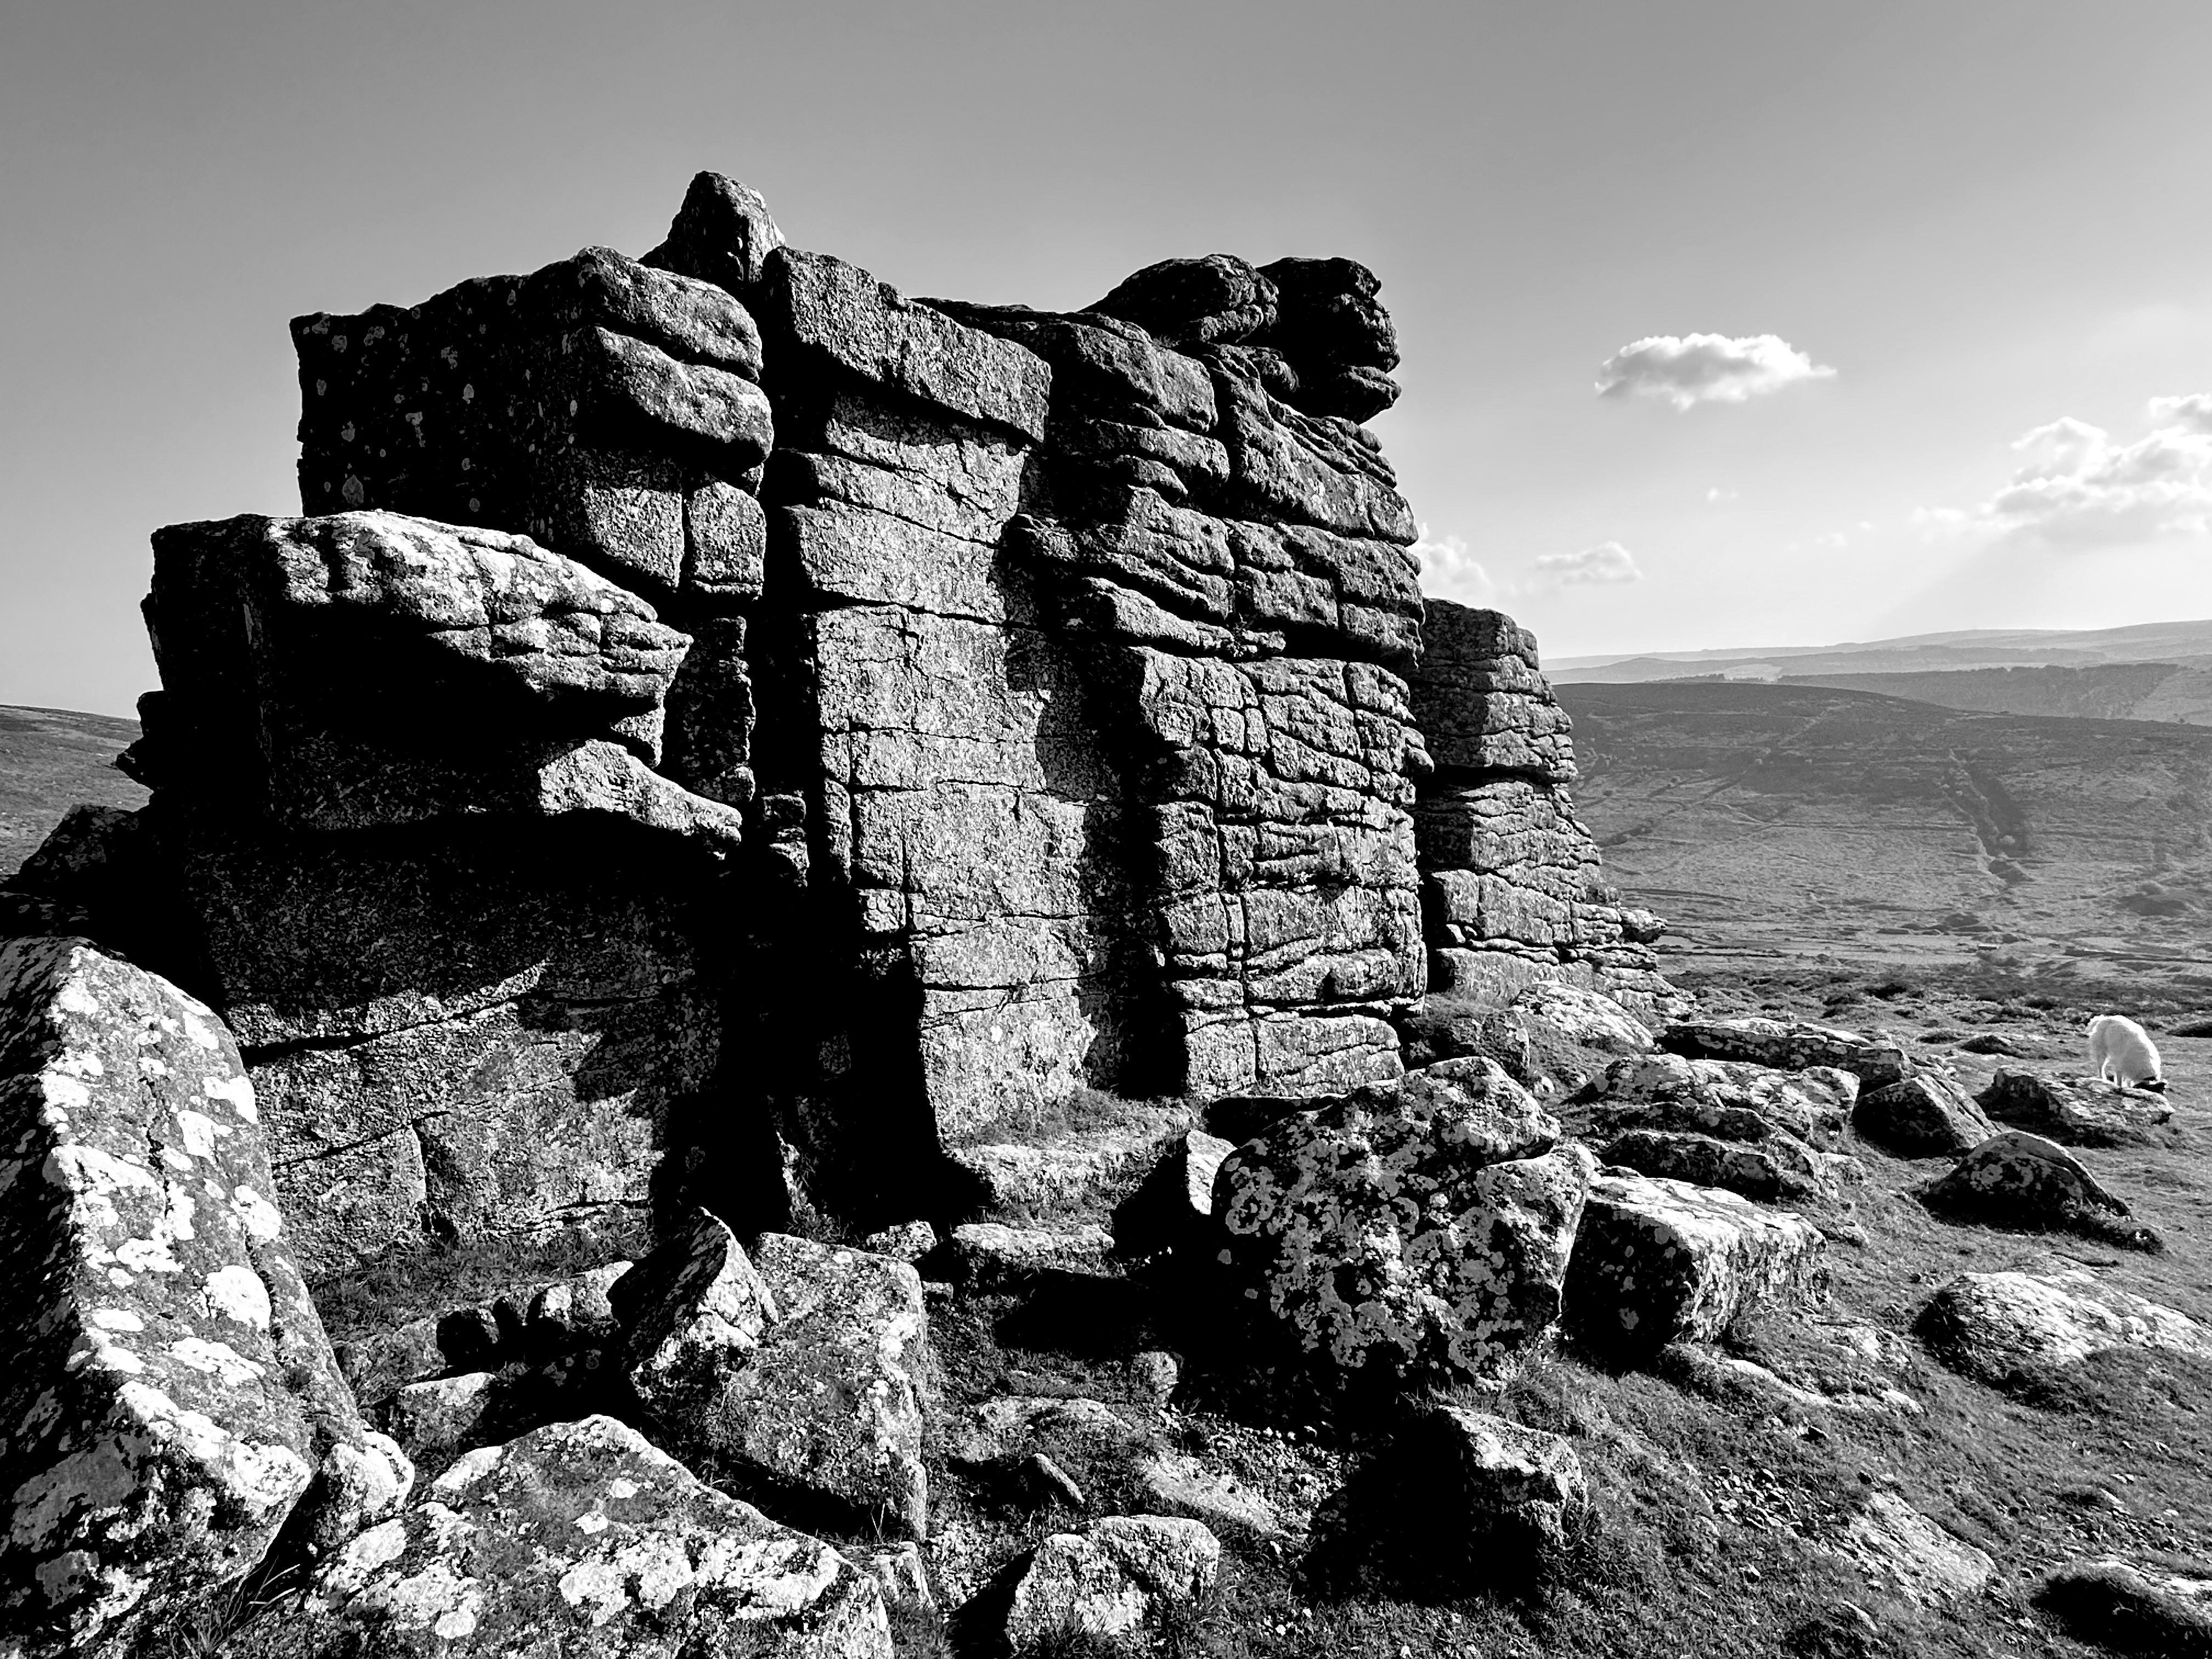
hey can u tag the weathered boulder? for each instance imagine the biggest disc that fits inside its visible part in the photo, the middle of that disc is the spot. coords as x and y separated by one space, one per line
1659 1261
1552 1038
1773 1167
1219 300
1112 1578
910 1241
2022 1181
1175 1205
1002 1431
2003 1327
991 1255
1926 1116
1732 1099
1087 1168
721 235
2127 1608
172 1398
2078 1110
582 1538
1171 1483
1423 1228
830 1405
1904 1551
1789 1045
438 1419
695 1310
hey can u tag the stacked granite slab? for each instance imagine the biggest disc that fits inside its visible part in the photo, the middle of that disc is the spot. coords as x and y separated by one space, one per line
1511 885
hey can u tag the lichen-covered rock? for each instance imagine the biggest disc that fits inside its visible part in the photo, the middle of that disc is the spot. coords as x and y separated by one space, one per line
1772 1167
830 1405
2078 1110
1928 1116
1553 1039
695 1311
1423 1228
1789 1045
437 1418
171 1395
2022 1181
1171 1483
1002 1431
1112 1578
2003 1327
1502 1483
910 1241
1732 1099
1659 1261
582 1538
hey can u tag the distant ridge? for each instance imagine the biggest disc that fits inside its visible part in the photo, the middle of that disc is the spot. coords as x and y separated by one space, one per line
50 760
1963 649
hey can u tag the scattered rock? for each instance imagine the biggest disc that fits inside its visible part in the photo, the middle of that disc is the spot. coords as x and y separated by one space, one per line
909 1242
2021 1181
1114 1578
1049 1483
1659 1261
1552 1038
2004 1327
1421 1228
991 1255
2079 1111
696 1309
2119 1605
171 1397
1171 1483
903 1578
1003 1431
1996 1042
627 1553
1926 1116
1789 1045
574 1316
1733 1100
1093 1168
1902 1551
1154 1373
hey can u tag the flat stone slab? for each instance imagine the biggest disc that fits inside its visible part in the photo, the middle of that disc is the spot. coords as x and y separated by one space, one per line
581 1538
2076 1110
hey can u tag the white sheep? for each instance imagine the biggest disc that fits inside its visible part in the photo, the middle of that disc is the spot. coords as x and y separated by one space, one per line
2122 1053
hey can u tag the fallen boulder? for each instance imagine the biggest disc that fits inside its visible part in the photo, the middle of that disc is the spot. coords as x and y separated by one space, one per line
1734 1099
991 1255
1787 1045
1659 1261
1926 1116
1776 1167
1114 1578
1551 1039
2004 1327
2079 1111
1417 1227
696 1310
582 1538
2023 1181
171 1396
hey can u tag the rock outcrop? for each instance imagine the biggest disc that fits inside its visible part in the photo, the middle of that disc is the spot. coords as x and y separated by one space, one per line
729 732
2022 1181
2004 1327
1511 889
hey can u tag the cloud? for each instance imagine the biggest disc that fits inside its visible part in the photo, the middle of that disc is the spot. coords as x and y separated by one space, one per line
1706 368
1608 561
2079 487
1449 567
1716 495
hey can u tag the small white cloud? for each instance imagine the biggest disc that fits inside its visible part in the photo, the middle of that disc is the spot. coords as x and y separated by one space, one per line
1608 561
1690 369
1449 567
1716 495
1832 539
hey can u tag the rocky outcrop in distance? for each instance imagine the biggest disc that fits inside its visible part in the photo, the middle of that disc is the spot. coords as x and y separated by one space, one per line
726 733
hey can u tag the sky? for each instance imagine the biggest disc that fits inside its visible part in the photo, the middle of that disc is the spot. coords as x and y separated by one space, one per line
1723 323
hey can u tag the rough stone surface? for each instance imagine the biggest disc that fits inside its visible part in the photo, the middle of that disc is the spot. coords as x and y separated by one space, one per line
696 1309
1001 1431
1659 1261
2080 1111
1502 1482
171 1394
1928 1116
582 1538
1552 1038
1787 1045
2018 1180
990 1254
1170 1483
1732 1099
1424 1227
1113 1577
1902 1551
2129 1608
2000 1327
1513 894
